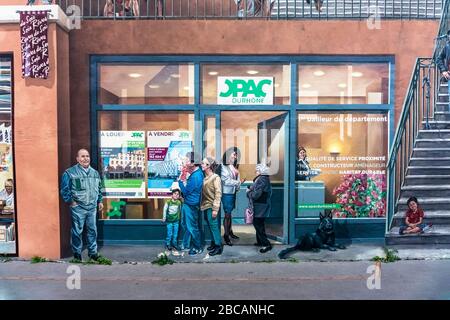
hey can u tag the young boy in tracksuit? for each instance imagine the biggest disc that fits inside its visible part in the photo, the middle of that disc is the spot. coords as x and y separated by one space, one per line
172 215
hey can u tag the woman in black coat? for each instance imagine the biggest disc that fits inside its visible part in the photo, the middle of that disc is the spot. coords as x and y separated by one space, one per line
259 194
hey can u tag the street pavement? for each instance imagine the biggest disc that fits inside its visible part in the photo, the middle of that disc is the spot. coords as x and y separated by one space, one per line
316 280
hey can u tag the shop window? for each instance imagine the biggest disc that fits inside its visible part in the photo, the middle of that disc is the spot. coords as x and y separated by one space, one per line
7 187
245 84
141 156
146 84
354 83
345 173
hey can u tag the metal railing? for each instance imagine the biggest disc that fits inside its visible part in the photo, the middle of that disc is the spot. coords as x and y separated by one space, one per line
255 9
418 108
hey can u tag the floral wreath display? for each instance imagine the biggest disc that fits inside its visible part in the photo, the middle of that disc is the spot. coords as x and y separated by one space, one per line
361 196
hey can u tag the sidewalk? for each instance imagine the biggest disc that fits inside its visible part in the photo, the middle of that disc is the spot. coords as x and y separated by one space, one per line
245 253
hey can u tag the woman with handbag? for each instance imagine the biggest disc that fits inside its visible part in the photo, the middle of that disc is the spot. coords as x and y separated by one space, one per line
259 194
231 182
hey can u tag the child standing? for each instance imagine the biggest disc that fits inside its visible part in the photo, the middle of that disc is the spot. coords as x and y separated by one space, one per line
171 215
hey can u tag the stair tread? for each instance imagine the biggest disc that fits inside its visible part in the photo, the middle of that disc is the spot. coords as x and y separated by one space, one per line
427 200
432 139
437 230
435 130
427 187
431 149
430 176
432 159
428 167
428 214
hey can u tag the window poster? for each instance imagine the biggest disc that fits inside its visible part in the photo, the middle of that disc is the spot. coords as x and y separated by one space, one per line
166 155
350 150
123 161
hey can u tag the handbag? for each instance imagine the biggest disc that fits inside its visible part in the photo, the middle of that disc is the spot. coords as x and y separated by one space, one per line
249 215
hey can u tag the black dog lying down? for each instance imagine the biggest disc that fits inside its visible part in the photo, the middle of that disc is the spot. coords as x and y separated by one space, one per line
323 238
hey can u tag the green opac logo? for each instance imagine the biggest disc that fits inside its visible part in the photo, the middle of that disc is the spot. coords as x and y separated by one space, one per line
184 135
137 134
245 90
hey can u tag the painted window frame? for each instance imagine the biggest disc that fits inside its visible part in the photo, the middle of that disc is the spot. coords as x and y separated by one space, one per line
198 109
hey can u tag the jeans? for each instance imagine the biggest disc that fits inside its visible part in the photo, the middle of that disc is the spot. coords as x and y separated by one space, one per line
213 224
172 233
191 218
80 217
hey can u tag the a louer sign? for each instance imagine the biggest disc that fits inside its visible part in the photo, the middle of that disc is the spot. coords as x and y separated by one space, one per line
244 90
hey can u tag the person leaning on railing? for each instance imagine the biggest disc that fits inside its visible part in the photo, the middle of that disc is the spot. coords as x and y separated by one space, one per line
127 8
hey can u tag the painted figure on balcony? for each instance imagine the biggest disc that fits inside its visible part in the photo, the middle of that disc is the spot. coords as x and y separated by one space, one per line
254 8
318 4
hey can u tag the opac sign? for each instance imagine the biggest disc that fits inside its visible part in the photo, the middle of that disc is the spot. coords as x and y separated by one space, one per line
244 90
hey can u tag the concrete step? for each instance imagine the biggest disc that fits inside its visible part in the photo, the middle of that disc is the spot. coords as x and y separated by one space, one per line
442 106
422 191
434 134
430 161
427 204
439 234
427 180
443 96
431 152
437 124
432 143
423 170
434 217
442 115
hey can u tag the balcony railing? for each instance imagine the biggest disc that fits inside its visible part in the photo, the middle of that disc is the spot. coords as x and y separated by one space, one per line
254 9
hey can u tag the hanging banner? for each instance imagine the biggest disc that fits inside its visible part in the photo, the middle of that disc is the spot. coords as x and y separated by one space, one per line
166 155
123 161
34 44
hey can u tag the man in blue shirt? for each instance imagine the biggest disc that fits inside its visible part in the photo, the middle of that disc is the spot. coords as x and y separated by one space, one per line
190 210
81 188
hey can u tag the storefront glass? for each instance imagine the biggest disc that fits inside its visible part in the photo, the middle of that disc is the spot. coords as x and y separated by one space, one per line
7 202
345 166
350 83
245 84
146 84
141 155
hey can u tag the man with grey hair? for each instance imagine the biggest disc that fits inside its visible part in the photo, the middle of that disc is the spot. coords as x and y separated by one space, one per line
81 188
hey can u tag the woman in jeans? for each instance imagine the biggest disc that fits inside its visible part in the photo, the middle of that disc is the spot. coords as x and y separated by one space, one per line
259 193
231 182
210 205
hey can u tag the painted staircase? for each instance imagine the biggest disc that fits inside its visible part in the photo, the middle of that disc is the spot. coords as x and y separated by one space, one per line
428 179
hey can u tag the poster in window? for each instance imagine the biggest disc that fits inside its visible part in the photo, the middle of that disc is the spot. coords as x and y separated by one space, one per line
123 163
166 157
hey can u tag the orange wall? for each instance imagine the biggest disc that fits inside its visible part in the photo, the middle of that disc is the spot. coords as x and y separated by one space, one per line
406 40
36 151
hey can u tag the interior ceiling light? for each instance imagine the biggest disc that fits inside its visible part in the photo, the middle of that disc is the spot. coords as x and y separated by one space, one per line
186 88
135 75
319 73
357 74
175 75
342 85
213 73
276 85
306 85
252 72
153 86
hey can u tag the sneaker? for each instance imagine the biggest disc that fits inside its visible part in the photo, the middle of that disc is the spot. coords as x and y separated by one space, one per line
93 257
194 251
169 247
427 228
77 256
